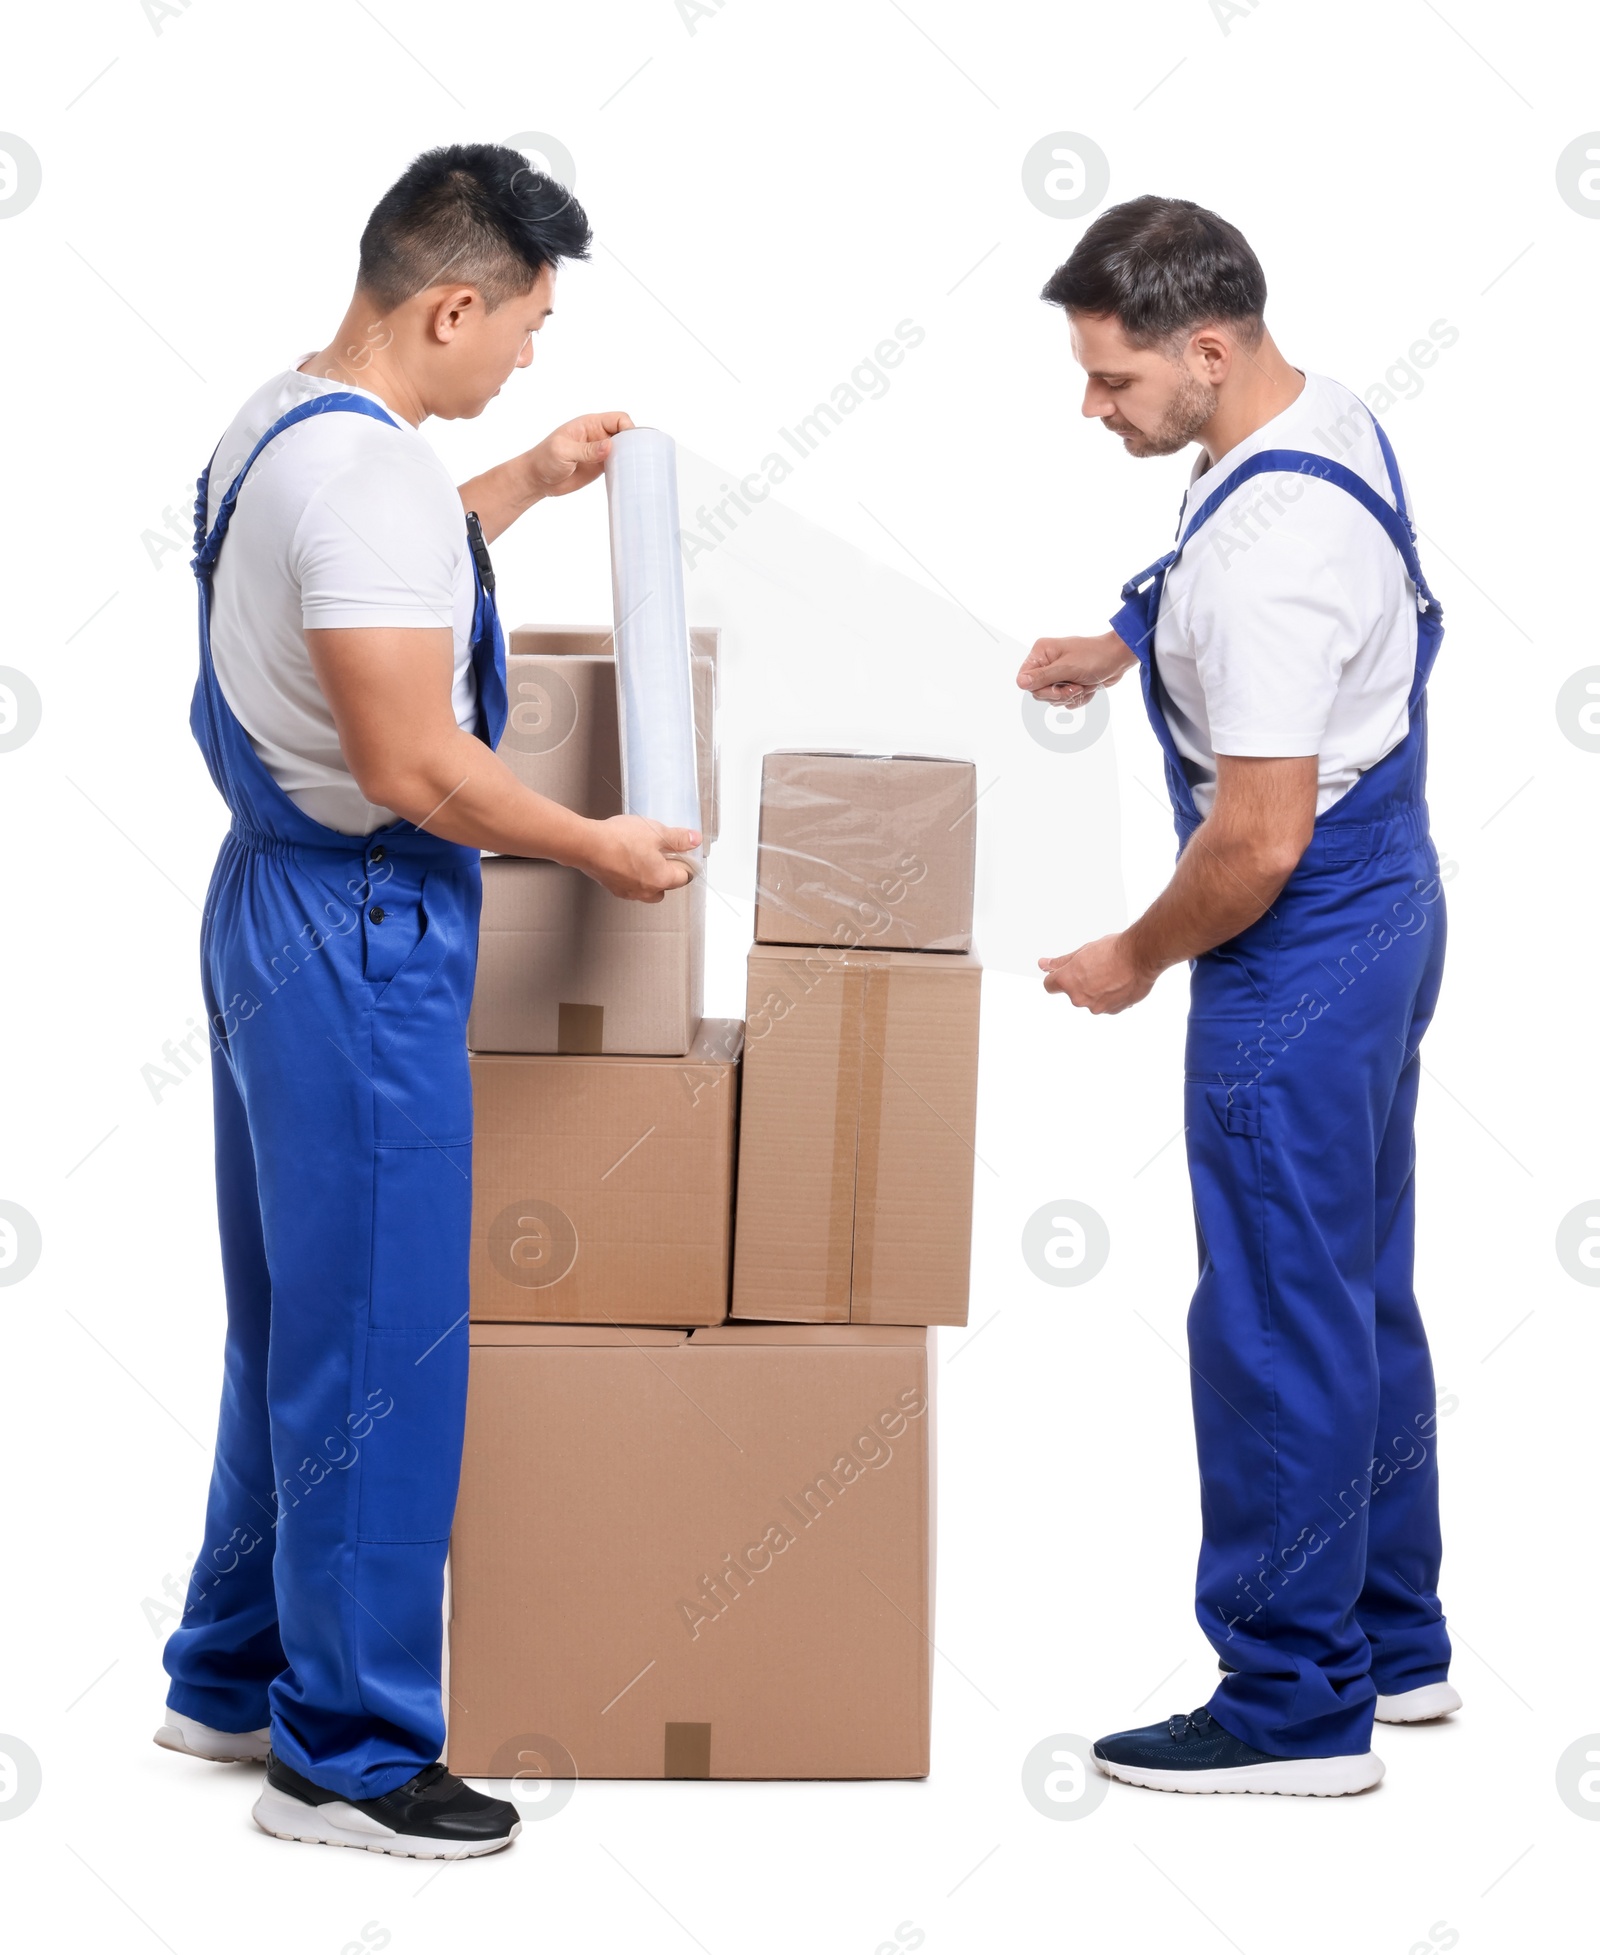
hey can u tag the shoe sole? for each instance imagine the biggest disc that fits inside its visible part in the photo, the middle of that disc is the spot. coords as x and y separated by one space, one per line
1423 1705
338 1824
1295 1778
170 1738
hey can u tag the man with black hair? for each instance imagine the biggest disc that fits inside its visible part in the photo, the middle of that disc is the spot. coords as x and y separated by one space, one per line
1284 649
351 692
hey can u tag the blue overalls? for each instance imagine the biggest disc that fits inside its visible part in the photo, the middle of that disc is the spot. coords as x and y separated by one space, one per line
337 972
1312 1387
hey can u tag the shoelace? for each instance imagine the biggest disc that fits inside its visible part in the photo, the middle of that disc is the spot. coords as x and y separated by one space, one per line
1198 1722
425 1780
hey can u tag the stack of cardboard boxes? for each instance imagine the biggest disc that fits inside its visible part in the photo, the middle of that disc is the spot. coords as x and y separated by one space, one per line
604 1103
688 1547
861 1074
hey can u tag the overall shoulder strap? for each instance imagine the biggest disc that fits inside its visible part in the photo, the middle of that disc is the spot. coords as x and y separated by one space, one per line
1296 461
1393 467
1136 584
208 547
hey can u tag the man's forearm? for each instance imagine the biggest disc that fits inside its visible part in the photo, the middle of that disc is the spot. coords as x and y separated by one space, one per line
1223 883
459 791
500 495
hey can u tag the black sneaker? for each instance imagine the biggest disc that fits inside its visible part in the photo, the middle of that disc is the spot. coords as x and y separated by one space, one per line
1195 1754
433 1816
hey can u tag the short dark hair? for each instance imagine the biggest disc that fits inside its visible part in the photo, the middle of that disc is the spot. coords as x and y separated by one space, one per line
476 212
1162 266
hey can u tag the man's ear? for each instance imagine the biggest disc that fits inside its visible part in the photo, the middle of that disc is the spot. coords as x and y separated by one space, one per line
452 309
1211 354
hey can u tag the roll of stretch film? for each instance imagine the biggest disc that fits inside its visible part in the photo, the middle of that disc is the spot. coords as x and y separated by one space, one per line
655 693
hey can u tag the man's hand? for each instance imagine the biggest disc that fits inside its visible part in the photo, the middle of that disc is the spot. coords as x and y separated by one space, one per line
1104 976
1069 671
1228 876
568 459
575 453
634 857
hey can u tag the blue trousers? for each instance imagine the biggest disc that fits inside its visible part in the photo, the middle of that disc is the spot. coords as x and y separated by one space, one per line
337 983
1313 1390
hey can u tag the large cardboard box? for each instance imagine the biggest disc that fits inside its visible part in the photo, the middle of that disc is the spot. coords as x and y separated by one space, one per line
602 1188
694 1556
563 966
872 850
858 1113
561 735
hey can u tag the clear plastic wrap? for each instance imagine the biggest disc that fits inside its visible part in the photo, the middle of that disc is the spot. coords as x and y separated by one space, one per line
655 692
866 851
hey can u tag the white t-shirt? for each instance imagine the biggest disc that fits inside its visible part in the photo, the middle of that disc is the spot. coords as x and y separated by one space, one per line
1289 626
343 521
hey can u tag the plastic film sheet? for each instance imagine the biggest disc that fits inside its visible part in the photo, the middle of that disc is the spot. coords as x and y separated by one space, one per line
869 851
655 691
824 647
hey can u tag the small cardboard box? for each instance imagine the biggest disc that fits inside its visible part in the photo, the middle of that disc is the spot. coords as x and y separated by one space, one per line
858 1115
694 1556
561 735
563 966
866 850
602 1188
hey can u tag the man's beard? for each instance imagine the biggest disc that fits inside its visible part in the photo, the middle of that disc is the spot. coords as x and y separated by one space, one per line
1190 409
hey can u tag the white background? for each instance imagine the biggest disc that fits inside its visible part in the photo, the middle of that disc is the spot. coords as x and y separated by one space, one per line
772 192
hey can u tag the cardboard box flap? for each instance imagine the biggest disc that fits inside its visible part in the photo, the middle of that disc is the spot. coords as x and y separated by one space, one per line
563 641
855 1335
719 1041
603 1334
830 957
559 641
867 753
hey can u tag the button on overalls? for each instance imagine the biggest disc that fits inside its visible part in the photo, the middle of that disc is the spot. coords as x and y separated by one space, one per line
337 972
1312 1387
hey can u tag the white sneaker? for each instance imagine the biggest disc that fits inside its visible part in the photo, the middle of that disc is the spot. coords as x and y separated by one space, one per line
196 1740
1419 1706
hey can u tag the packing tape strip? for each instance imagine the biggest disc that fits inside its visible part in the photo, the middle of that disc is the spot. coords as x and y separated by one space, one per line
580 1028
846 1123
686 1752
876 980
